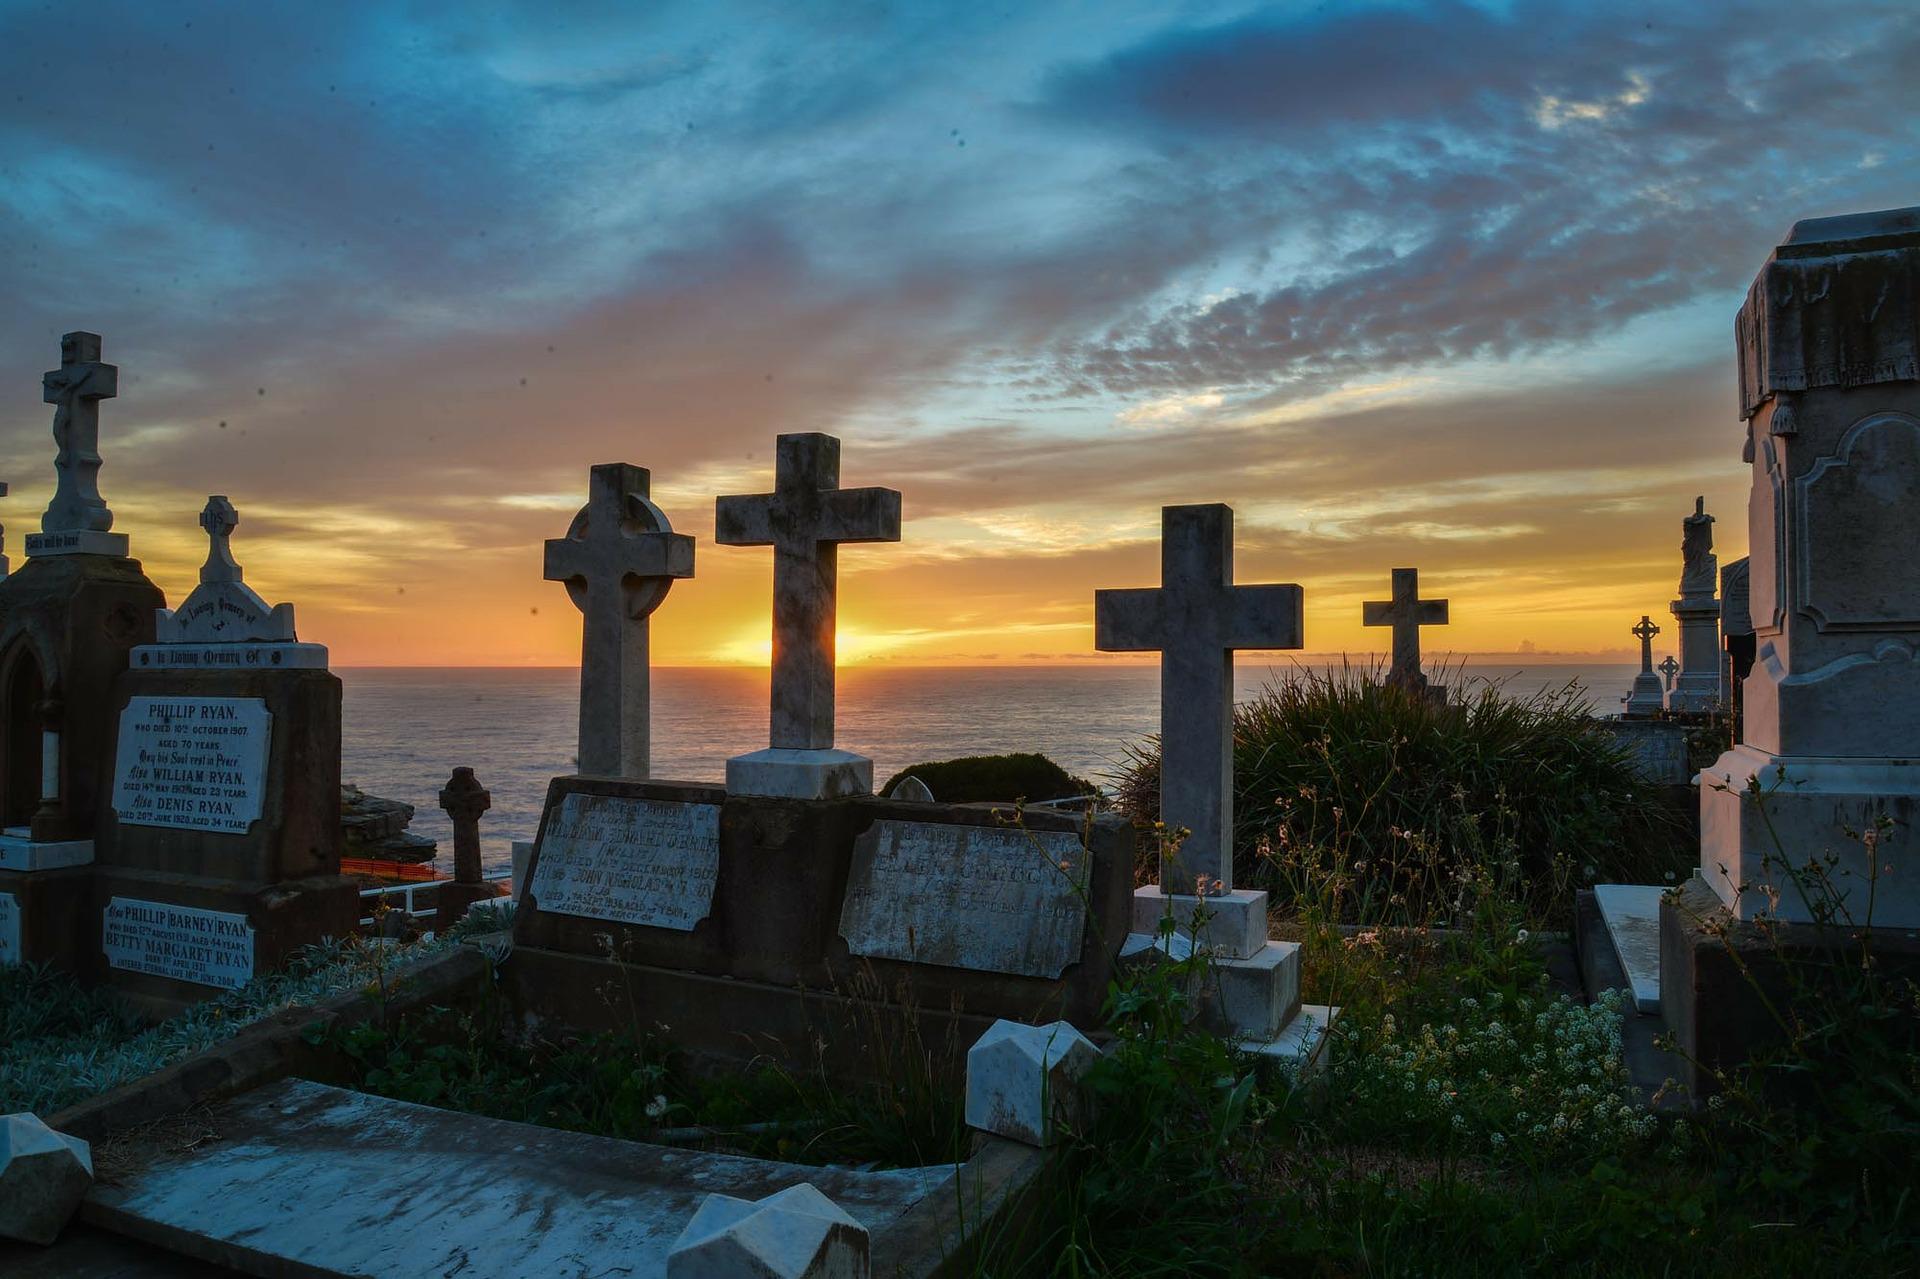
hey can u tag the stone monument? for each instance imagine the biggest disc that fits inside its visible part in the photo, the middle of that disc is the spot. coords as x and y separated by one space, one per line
1697 612
1406 613
68 619
1668 668
1829 344
1736 633
1646 697
1196 618
805 519
219 846
464 799
618 559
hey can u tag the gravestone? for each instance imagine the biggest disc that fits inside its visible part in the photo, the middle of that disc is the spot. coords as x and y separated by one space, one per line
1406 613
1646 697
464 800
1196 618
1668 668
220 839
1697 613
1736 632
68 619
805 520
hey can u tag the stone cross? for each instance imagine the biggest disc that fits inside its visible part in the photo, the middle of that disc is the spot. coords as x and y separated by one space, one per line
464 799
1668 667
75 389
1406 613
1196 618
1645 630
618 559
219 519
805 519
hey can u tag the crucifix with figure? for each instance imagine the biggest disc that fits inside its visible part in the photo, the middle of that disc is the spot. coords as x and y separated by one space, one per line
805 519
1406 613
77 520
618 559
1196 618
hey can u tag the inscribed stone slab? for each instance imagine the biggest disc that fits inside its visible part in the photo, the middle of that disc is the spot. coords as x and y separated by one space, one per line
977 897
196 763
207 947
9 929
630 860
1632 916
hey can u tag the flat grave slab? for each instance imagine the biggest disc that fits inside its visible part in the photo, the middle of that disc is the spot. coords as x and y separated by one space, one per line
319 1181
1631 913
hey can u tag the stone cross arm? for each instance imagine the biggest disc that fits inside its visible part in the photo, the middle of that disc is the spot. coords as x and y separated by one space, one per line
843 515
1645 629
1386 612
1136 621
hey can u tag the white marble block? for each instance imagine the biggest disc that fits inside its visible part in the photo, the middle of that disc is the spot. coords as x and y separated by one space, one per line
796 1233
1022 1080
43 1177
1252 998
786 773
1233 924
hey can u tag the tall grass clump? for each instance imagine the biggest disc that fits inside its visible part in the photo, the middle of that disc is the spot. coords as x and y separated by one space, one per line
1338 773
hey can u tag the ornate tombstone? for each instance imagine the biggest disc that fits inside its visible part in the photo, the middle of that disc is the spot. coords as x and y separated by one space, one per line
1697 611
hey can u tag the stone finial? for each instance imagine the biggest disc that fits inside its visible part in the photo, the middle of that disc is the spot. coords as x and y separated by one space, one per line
796 1233
43 1177
618 560
223 609
219 519
1023 1080
465 799
1406 613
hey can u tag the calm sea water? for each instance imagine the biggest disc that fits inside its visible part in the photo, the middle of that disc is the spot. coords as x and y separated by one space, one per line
407 728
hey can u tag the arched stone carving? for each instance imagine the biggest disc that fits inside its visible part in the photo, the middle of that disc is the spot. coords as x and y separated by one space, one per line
1855 510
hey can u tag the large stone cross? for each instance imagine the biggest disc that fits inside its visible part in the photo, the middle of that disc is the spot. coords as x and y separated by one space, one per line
1196 618
618 559
1406 613
75 389
805 519
1644 630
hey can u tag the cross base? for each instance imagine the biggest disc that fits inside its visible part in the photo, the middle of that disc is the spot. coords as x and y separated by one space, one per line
800 774
77 542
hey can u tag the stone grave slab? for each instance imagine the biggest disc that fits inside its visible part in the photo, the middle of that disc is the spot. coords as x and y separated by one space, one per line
1631 913
206 947
192 763
9 929
629 859
433 1192
975 897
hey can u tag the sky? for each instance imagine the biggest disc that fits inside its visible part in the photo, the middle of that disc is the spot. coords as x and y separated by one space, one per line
1444 285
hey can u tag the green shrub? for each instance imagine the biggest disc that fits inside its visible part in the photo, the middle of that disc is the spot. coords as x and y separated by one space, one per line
1400 793
1002 779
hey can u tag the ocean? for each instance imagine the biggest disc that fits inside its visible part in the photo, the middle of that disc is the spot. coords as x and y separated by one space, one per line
407 728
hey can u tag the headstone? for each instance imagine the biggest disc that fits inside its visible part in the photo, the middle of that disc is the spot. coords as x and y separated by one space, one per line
1697 612
1829 342
464 799
77 521
1406 613
192 763
1646 697
629 859
991 900
1023 1082
43 1177
913 790
1668 668
618 560
805 519
796 1233
202 947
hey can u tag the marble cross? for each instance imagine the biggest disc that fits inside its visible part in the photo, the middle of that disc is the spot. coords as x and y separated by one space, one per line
1669 668
1406 613
618 559
1196 618
1645 630
75 389
219 519
805 519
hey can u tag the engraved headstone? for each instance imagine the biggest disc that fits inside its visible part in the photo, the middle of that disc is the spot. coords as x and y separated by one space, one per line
629 860
206 947
223 609
192 763
991 899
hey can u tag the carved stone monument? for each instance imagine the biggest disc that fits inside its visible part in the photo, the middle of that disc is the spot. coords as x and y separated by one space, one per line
1829 343
1668 668
1406 613
464 800
805 519
1646 697
77 521
1697 611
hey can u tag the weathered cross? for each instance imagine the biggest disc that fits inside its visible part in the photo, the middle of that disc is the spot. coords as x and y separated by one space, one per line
1646 630
618 559
1196 618
805 519
1406 613
76 389
219 519
1669 668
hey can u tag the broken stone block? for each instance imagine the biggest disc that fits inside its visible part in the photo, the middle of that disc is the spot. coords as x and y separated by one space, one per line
797 1233
1023 1080
43 1177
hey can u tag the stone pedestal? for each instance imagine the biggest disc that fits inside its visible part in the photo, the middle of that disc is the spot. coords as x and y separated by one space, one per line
800 774
1697 686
